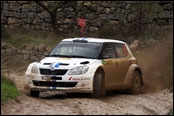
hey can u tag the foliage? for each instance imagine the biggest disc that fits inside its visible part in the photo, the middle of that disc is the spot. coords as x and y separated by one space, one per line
8 89
20 37
170 112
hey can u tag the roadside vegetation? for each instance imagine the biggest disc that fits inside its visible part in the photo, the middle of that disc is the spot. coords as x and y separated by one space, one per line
19 37
170 112
8 89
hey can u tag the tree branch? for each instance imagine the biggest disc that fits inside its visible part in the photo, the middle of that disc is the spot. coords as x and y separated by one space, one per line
43 5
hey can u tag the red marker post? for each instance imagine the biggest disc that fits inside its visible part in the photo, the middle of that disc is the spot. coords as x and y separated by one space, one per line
82 23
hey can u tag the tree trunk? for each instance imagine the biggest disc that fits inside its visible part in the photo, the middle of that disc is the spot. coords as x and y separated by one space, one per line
53 16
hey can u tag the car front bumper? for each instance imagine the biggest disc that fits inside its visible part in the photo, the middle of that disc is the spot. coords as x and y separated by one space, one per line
75 83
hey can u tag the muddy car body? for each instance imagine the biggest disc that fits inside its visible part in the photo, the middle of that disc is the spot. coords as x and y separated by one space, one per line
89 65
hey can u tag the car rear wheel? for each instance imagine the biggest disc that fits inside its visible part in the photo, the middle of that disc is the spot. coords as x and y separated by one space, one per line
34 93
97 84
136 83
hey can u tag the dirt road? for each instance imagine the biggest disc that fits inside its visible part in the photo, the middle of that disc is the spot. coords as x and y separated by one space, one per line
113 103
154 100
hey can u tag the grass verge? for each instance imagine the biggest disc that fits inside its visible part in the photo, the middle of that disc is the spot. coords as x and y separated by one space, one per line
8 89
170 112
19 38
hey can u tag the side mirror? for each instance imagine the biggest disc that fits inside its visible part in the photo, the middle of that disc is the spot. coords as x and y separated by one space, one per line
106 57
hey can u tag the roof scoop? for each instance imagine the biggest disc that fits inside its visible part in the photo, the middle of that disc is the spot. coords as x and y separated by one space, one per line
85 62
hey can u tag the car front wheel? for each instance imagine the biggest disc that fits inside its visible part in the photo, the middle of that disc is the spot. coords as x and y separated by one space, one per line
97 84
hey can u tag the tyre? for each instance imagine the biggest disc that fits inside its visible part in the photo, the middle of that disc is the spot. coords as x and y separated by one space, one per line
97 84
34 93
136 83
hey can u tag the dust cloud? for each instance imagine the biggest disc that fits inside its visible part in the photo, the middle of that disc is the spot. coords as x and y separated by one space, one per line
157 65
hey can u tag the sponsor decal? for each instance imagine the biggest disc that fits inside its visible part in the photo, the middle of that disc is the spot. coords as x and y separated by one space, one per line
86 88
63 58
70 78
52 87
83 39
85 78
103 62
125 50
76 78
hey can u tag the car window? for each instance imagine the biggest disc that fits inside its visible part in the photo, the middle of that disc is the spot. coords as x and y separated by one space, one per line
108 52
74 49
121 50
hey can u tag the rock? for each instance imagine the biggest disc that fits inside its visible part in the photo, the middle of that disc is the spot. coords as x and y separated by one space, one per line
107 10
3 52
93 29
87 3
128 6
97 23
41 53
168 7
9 51
19 51
14 7
91 15
67 20
26 56
34 58
170 21
12 20
166 14
14 50
25 52
3 45
29 47
48 49
104 4
42 48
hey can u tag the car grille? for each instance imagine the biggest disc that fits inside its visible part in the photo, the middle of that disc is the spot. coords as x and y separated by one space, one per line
54 84
55 72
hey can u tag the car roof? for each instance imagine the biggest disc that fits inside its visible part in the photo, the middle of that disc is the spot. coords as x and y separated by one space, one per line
98 40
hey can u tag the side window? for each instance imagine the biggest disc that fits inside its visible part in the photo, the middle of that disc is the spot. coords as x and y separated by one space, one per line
108 52
121 50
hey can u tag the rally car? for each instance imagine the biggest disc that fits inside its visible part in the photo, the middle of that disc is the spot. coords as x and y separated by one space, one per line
86 65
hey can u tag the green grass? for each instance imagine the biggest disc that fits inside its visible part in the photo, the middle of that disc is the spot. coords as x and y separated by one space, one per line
8 89
19 38
170 112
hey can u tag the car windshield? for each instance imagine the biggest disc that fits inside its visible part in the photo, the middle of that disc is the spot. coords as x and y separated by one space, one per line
76 50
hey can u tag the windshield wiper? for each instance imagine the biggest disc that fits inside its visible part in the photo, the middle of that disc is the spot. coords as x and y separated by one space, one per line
55 55
69 56
76 56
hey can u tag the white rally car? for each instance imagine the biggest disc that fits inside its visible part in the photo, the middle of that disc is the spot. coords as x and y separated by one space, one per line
85 65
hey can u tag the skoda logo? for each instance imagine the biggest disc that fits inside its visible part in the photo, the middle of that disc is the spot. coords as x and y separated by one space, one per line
52 66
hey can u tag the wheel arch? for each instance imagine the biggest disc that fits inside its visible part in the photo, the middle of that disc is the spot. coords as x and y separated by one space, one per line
128 79
100 69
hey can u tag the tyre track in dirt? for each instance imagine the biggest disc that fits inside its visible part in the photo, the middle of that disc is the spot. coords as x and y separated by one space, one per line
151 102
114 103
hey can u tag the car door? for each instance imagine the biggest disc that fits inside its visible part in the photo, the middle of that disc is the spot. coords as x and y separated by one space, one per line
123 61
111 65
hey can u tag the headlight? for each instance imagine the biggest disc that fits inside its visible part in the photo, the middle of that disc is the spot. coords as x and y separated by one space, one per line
78 70
34 69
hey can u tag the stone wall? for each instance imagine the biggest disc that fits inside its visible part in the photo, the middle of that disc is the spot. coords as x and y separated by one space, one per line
98 14
26 52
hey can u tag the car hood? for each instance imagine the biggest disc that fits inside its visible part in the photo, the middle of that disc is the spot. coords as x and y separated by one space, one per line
64 63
